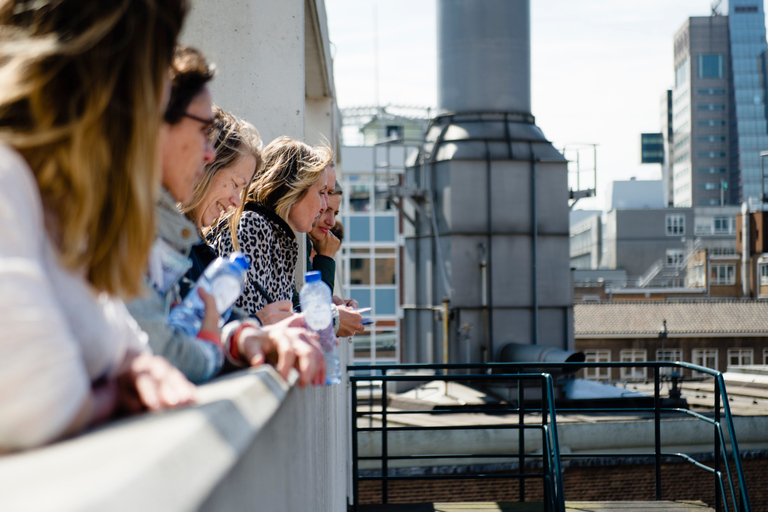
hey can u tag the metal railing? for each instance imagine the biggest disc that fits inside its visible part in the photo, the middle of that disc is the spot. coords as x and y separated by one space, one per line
726 468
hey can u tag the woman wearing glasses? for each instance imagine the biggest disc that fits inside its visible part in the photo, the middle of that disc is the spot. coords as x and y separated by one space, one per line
188 136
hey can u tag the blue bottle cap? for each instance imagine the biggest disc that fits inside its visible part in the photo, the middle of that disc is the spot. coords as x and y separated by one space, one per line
312 276
240 259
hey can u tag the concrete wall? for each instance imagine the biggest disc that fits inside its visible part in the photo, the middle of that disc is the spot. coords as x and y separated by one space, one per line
254 442
636 239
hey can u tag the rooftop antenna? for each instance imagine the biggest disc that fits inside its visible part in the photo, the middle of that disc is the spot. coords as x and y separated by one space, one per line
376 52
715 7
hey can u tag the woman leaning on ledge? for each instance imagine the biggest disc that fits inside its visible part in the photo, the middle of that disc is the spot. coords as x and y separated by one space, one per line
81 96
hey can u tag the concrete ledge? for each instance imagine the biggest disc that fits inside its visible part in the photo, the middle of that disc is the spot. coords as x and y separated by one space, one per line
168 461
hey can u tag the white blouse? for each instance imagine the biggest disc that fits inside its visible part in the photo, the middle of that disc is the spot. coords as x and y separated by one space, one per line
57 334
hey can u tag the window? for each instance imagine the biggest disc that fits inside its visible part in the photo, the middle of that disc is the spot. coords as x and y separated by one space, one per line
704 357
711 122
725 225
696 277
740 356
711 91
722 251
712 138
597 356
765 356
723 274
712 154
712 170
764 273
675 225
675 257
394 131
633 356
711 106
670 354
711 66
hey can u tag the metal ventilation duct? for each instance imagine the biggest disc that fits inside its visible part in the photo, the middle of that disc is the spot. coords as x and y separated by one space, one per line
484 56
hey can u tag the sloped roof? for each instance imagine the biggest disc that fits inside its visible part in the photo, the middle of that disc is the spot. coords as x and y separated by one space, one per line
625 319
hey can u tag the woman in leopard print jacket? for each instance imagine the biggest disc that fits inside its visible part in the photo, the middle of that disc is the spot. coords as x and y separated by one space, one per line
287 196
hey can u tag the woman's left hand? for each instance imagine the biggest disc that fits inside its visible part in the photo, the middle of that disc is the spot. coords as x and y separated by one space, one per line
152 383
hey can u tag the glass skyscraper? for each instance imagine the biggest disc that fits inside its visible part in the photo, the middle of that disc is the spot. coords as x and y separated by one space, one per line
746 23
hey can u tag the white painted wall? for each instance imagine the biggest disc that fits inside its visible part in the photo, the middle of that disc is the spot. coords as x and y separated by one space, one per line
258 47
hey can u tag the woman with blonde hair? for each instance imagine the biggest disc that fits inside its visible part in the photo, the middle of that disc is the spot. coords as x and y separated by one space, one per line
81 96
287 196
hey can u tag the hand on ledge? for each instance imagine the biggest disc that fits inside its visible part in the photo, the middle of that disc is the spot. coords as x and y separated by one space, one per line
152 383
287 345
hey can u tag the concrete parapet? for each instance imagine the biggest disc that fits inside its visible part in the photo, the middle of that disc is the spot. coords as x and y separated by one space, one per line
254 441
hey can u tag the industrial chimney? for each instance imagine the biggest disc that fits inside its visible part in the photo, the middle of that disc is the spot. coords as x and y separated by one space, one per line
488 200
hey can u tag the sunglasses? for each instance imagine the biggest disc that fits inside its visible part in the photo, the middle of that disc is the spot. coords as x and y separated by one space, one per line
212 128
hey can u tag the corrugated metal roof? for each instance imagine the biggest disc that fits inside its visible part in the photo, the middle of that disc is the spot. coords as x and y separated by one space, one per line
646 318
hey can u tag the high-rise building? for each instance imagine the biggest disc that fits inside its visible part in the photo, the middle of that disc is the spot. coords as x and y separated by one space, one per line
746 22
700 166
719 107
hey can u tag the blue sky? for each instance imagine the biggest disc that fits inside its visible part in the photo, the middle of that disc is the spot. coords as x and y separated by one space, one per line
598 68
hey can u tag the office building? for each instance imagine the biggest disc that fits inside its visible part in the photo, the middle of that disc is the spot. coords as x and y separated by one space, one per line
719 108
701 110
746 21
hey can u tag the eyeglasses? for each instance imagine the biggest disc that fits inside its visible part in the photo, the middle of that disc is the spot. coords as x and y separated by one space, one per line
212 128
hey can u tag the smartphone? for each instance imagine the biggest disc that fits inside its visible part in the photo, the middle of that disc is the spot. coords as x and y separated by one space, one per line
367 320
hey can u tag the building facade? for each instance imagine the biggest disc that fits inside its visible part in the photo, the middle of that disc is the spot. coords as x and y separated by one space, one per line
746 21
719 107
372 246
701 113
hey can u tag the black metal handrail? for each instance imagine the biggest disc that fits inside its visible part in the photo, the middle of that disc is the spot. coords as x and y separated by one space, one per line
551 474
550 458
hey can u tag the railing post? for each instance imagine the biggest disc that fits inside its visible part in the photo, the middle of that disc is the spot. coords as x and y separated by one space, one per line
355 469
718 496
521 438
657 426
384 444
544 444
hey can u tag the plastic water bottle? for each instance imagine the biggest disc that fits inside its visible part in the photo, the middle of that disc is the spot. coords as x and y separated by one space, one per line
224 278
315 298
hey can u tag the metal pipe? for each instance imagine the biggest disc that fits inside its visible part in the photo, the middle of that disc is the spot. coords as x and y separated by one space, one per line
445 331
535 248
488 263
745 247
484 299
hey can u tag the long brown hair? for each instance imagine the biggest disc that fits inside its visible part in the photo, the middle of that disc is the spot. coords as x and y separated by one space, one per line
236 139
81 87
290 168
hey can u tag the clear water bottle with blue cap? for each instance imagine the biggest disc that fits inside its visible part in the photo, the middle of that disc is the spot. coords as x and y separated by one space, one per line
224 278
316 300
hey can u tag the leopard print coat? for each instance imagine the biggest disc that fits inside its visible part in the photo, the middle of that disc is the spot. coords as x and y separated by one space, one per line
273 249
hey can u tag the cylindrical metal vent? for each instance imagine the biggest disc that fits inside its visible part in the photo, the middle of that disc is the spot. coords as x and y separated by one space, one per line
484 56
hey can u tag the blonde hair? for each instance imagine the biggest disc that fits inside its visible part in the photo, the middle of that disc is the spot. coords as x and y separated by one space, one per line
81 87
236 139
290 168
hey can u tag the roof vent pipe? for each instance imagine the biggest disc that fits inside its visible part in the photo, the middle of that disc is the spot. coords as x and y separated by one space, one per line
484 56
519 353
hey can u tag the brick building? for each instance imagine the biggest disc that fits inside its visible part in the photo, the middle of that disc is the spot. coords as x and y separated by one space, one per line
715 334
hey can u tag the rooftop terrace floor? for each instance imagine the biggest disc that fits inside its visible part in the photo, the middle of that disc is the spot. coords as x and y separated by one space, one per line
570 506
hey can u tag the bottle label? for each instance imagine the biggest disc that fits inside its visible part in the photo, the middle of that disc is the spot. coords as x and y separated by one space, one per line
166 266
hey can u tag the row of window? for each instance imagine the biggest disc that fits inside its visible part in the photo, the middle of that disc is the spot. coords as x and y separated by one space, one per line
707 357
